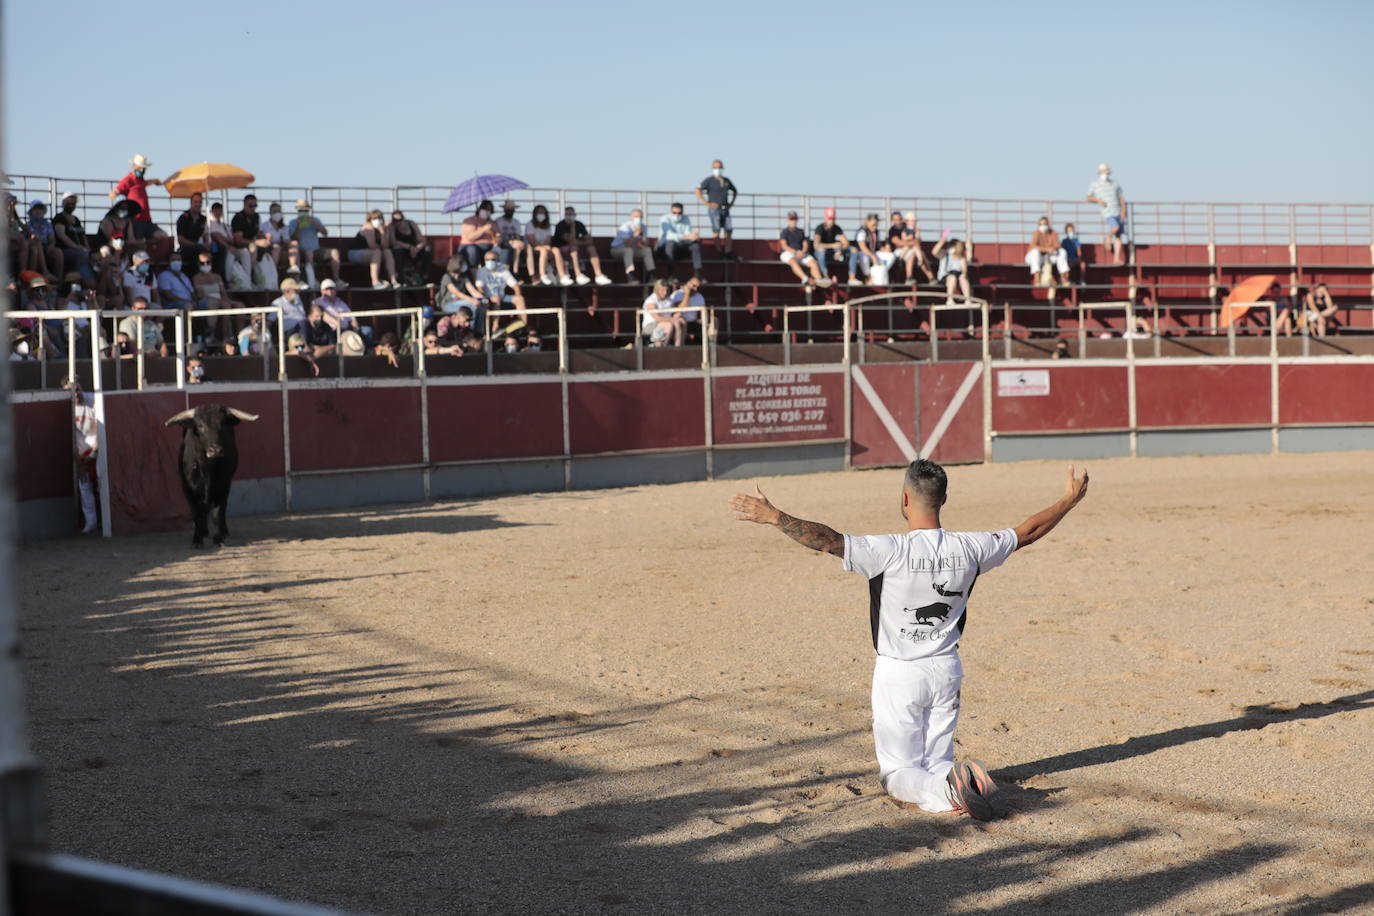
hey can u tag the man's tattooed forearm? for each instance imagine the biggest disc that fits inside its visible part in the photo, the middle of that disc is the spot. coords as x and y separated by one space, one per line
811 534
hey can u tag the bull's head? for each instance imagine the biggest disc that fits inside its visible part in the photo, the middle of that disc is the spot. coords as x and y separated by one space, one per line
205 421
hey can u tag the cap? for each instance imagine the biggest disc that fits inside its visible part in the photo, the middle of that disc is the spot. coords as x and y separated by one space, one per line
510 205
38 282
791 214
140 256
829 212
65 194
910 214
289 283
328 284
302 204
1104 167
37 203
139 161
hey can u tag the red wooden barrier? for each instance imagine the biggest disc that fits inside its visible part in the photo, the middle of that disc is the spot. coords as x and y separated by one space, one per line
43 451
333 428
1326 394
1230 395
894 386
1079 397
962 441
469 422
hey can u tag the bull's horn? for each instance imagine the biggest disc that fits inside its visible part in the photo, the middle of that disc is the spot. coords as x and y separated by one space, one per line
250 417
184 415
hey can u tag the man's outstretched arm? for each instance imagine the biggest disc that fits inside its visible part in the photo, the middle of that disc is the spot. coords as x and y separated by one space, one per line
758 509
1042 522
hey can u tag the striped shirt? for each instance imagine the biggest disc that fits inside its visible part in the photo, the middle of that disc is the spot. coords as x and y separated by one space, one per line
1109 192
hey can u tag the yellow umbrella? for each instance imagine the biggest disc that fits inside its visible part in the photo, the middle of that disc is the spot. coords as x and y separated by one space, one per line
206 176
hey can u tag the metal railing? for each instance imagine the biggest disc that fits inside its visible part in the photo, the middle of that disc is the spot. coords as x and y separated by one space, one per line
503 313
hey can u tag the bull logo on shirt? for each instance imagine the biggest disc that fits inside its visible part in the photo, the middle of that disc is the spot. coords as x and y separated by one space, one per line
929 616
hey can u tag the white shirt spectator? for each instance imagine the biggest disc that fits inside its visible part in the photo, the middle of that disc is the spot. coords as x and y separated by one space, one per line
627 233
494 283
541 235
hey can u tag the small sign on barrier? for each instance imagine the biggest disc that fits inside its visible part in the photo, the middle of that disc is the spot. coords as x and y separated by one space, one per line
1023 383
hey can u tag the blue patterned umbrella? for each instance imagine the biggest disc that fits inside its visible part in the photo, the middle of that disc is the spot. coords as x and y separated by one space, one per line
479 188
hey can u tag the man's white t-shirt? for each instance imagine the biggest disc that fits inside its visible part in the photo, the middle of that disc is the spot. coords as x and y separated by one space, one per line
919 584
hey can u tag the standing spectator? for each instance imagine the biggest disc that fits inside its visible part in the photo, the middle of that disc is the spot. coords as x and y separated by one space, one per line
511 235
477 235
539 238
138 279
662 322
868 250
150 337
794 251
455 290
414 257
953 267
221 239
277 234
906 245
244 229
292 307
674 234
1073 253
1319 308
71 238
1107 194
719 193
174 286
134 187
108 266
191 229
1045 250
494 279
306 252
571 235
44 241
630 242
829 241
373 248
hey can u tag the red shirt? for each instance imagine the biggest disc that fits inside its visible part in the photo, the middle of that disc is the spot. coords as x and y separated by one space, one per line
135 189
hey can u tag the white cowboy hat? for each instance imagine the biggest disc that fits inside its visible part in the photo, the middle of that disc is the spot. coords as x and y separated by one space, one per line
351 343
139 161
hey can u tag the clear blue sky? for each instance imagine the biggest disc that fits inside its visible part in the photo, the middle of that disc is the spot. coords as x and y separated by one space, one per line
1197 100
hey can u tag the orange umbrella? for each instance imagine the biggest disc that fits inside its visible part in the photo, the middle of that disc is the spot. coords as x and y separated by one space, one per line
206 176
1243 295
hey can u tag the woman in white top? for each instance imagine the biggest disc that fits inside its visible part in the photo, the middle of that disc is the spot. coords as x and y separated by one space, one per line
274 227
539 234
662 321
953 267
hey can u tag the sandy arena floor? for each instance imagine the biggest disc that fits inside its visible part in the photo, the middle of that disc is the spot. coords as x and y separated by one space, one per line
628 701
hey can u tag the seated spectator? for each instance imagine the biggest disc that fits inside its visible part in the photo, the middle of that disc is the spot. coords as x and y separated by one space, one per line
1285 317
319 336
150 334
278 236
174 286
539 241
43 238
533 342
675 235
477 235
794 250
455 290
498 286
195 370
510 234
373 248
264 263
108 266
867 251
1061 350
21 239
1044 251
305 232
71 238
458 327
1073 254
512 344
192 229
292 307
118 226
138 280
662 322
953 267
689 301
414 257
434 348
906 245
828 241
134 188
631 242
210 293
1319 309
244 229
390 348
221 239
229 348
574 239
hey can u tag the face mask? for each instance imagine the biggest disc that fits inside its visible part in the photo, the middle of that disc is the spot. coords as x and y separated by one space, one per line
635 221
491 265
121 213
484 213
197 372
22 348
175 265
302 214
716 172
512 346
509 214
138 172
76 290
1069 233
377 224
534 345
276 217
142 268
1044 228
205 268
118 244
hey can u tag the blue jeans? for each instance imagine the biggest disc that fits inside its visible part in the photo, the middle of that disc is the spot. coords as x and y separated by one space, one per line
671 251
858 259
473 254
823 256
80 258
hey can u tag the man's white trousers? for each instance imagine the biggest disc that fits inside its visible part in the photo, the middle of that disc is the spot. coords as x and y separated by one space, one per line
915 710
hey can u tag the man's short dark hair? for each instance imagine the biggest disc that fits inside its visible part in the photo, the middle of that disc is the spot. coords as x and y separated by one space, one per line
677 204
927 481
252 197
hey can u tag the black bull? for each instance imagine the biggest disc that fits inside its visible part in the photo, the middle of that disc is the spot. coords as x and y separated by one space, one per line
209 458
